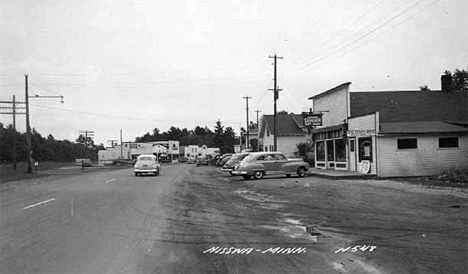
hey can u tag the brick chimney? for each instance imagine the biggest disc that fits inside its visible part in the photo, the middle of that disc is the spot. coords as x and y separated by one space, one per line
446 82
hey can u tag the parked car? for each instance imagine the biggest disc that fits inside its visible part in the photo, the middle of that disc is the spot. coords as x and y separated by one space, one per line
259 164
214 160
224 159
190 161
201 161
233 161
147 164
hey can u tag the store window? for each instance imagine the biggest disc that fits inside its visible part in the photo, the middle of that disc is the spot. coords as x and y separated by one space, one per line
365 149
407 143
330 151
320 151
340 150
448 142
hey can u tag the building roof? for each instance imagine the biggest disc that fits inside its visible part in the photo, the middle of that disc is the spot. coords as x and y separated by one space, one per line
421 127
288 124
411 106
330 91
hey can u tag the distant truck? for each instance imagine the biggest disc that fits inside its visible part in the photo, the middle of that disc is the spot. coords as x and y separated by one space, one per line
83 162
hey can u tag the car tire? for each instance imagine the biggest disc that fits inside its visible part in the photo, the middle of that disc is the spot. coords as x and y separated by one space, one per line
301 172
246 177
288 175
136 174
258 174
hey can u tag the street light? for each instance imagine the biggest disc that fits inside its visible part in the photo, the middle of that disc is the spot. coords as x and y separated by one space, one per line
28 127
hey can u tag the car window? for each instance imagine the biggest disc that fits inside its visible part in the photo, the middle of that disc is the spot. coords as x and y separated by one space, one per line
280 157
270 158
146 159
261 158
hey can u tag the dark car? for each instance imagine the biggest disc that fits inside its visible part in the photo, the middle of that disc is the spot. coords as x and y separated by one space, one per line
201 161
233 161
259 164
223 158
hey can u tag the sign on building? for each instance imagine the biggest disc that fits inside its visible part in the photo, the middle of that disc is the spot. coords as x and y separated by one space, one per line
312 119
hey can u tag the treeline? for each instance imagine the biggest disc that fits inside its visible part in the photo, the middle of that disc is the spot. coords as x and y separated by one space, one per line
222 138
43 149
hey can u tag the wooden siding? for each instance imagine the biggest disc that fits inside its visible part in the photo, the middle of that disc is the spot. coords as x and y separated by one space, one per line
335 107
366 122
427 159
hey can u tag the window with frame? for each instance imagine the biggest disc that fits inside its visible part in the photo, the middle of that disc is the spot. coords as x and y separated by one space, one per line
352 145
321 151
280 157
448 142
407 143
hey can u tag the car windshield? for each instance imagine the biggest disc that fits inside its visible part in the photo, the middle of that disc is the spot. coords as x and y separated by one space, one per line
146 159
239 156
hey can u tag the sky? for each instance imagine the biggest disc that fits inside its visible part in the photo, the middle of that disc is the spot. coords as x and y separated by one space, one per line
138 65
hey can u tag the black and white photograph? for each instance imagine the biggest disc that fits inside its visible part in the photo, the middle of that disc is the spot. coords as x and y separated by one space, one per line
234 136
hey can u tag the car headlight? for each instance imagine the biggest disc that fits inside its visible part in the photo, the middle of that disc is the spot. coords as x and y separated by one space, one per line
135 166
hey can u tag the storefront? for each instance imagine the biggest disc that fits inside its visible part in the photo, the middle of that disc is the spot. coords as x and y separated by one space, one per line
330 147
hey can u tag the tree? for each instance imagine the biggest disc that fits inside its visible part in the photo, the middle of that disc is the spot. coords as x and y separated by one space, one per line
424 88
456 81
460 79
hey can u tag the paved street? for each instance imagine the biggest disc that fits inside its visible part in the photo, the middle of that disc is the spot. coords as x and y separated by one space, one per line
199 220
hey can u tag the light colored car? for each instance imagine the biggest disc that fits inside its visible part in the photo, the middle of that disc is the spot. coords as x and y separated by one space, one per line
147 164
259 164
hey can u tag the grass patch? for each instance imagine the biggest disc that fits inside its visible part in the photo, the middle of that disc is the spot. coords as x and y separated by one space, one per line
454 176
8 174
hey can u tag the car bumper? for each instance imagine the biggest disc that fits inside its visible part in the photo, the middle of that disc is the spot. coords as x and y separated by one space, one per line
227 169
154 170
239 172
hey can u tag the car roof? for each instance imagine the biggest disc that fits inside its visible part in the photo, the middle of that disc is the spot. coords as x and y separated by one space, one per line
265 153
146 155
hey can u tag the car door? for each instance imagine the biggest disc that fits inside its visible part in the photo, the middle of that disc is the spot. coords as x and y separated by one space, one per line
281 161
270 164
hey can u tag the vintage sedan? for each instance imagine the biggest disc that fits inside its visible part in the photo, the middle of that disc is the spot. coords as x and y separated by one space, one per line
147 164
259 164
235 159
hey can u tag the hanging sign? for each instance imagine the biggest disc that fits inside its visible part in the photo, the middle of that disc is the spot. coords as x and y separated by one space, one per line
312 119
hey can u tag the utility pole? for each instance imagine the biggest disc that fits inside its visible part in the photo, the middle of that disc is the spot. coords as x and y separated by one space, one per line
247 110
275 97
13 111
14 132
28 127
257 111
86 134
121 145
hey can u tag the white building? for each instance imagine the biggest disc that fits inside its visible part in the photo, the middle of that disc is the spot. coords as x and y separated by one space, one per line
394 133
129 150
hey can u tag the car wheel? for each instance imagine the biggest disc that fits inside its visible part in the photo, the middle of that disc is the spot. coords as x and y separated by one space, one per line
258 174
246 177
230 172
136 173
288 175
301 172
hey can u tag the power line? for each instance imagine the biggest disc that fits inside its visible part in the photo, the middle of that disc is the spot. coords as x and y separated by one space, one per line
356 40
334 37
121 116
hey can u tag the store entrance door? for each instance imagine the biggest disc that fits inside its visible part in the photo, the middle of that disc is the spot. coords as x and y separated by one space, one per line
330 154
